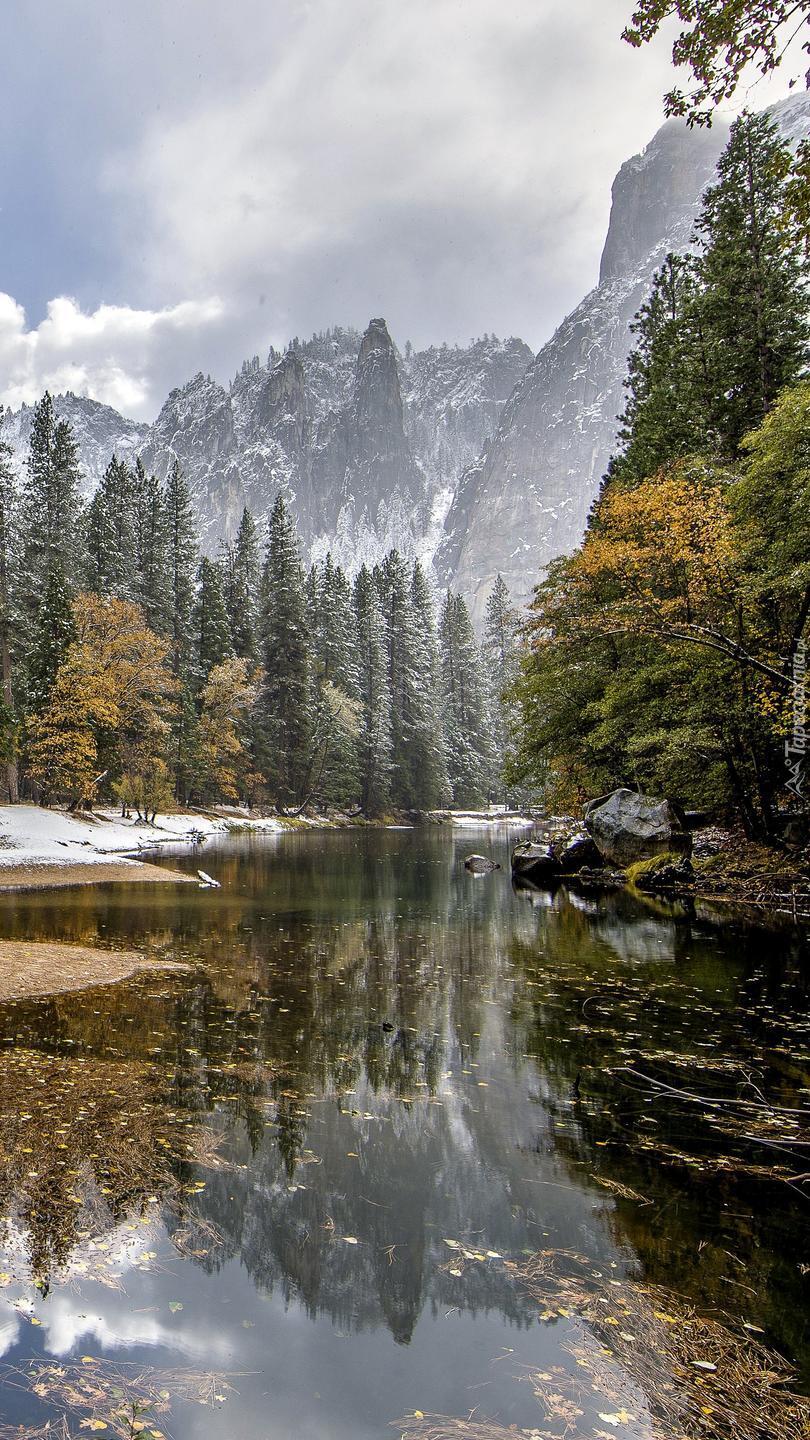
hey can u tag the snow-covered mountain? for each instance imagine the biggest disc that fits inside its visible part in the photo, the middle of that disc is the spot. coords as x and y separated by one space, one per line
99 431
481 454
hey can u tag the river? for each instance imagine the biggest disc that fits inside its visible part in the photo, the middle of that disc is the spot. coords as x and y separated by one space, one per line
310 1163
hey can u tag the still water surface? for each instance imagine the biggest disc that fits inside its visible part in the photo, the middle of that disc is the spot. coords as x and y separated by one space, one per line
386 1053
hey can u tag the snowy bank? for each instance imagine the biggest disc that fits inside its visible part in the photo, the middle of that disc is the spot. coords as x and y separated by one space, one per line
31 836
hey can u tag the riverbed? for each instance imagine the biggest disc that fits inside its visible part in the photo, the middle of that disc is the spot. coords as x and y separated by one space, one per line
291 1186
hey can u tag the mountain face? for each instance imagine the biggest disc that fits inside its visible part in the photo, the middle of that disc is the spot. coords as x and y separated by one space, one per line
526 498
365 442
480 457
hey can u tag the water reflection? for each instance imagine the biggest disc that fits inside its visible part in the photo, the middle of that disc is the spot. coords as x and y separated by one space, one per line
380 1054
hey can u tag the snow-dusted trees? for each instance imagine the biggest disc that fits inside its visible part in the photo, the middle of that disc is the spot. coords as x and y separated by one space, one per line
51 548
374 735
111 534
501 661
149 561
242 567
210 624
466 706
8 506
284 705
418 772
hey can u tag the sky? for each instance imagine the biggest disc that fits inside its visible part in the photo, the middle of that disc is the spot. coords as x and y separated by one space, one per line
184 184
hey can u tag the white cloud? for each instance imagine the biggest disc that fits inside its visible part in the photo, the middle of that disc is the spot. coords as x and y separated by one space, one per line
116 354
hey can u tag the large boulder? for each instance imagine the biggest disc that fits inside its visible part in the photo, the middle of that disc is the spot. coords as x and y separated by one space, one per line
535 862
627 827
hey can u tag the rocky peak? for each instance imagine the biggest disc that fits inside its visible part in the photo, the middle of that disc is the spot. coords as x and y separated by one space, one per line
377 395
282 403
655 194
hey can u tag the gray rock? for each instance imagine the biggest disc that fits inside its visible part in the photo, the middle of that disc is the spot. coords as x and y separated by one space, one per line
577 852
627 827
535 862
480 864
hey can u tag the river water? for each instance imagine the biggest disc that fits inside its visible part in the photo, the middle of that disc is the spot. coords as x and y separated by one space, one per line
373 1054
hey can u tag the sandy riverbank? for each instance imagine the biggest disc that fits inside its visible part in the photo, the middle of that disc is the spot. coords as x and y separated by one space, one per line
40 875
29 969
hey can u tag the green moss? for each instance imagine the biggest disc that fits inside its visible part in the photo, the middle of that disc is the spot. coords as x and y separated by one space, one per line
642 868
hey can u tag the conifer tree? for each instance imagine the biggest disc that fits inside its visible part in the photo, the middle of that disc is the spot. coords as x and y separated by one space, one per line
331 624
150 577
181 554
284 706
335 701
50 503
416 758
668 397
466 709
433 759
53 632
374 737
242 575
212 631
8 507
753 272
110 534
501 658
181 561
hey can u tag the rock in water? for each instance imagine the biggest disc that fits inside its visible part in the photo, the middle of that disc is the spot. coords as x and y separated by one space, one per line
577 852
627 827
480 864
534 862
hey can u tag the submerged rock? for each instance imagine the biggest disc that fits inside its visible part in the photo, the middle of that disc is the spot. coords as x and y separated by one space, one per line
627 827
480 864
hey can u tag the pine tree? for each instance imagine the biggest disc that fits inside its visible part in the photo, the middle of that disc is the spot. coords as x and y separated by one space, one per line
753 272
433 757
181 548
416 759
331 624
241 587
181 558
466 709
8 507
212 631
50 522
150 576
110 533
374 738
668 401
53 632
284 706
501 658
335 700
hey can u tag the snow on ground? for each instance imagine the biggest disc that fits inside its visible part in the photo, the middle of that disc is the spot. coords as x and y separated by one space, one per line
29 834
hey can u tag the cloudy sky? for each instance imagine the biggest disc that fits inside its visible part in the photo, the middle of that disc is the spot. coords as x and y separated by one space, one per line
183 184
